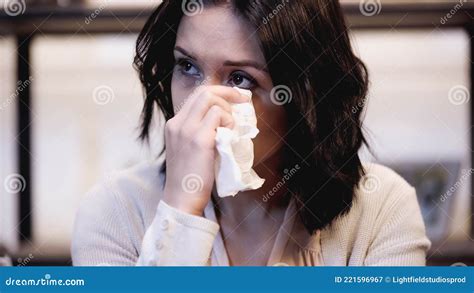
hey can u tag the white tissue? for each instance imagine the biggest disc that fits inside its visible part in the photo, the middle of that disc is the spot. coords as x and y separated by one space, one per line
233 167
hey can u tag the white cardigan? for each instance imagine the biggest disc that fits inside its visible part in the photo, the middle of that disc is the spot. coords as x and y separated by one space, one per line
122 221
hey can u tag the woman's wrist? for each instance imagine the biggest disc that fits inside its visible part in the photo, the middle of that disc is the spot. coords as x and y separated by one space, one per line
187 206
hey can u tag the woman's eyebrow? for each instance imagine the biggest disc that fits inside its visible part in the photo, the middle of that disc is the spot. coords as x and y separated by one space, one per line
184 52
242 63
246 63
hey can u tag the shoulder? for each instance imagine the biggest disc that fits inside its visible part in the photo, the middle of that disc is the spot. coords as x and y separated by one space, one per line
385 215
137 186
381 189
130 195
113 216
379 192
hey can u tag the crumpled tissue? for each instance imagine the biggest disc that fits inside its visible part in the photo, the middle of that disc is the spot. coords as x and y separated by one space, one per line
235 154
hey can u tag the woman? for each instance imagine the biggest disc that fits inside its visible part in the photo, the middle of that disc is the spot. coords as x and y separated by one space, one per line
319 204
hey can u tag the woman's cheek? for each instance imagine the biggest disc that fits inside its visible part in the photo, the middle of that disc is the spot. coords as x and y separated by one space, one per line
271 122
179 92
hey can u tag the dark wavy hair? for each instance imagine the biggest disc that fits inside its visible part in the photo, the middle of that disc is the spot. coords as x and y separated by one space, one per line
307 48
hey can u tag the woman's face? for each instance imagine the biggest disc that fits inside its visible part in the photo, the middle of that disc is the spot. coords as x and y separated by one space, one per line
216 47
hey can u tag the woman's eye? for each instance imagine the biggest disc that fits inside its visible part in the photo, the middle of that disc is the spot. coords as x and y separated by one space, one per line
188 68
241 80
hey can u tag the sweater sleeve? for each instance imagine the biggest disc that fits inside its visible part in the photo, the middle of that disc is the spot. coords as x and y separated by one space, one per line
177 238
401 238
102 235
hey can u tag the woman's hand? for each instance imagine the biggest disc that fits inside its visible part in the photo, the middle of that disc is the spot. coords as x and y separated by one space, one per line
190 146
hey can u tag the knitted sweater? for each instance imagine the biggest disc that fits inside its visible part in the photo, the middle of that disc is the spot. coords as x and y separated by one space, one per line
122 221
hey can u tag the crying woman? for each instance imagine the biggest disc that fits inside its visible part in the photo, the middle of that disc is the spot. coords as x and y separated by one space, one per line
321 215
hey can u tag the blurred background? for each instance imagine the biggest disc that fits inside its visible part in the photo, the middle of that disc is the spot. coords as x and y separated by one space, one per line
70 102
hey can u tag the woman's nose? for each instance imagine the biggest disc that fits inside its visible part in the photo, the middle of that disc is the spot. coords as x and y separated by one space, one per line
211 80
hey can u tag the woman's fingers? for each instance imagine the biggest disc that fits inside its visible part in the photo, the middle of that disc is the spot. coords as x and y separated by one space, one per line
204 97
205 102
216 117
231 95
205 135
190 146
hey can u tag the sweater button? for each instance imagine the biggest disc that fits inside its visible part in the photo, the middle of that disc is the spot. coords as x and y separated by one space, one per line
165 224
